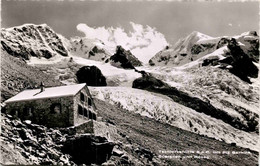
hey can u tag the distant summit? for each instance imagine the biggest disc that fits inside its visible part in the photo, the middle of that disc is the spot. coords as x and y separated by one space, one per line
182 52
236 54
93 49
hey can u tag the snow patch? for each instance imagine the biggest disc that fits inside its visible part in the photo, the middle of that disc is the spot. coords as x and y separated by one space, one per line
42 60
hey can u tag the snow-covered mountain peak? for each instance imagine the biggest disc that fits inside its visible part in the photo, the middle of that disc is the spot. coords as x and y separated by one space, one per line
89 48
198 35
183 51
32 40
249 33
192 38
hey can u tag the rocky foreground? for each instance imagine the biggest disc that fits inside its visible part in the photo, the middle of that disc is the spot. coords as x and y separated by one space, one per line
23 143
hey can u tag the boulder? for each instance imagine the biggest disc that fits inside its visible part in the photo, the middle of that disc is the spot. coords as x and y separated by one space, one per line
91 75
145 153
88 149
117 152
148 81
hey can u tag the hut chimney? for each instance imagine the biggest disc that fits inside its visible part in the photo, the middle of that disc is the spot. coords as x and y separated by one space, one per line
42 87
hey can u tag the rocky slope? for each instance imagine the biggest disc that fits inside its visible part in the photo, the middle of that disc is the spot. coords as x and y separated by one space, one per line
32 40
31 143
17 75
155 142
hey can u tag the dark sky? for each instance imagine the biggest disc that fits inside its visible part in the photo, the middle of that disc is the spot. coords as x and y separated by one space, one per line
173 19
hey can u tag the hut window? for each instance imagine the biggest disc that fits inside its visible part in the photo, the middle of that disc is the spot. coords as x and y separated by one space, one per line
27 111
85 112
94 116
90 115
56 108
14 112
82 97
80 110
89 102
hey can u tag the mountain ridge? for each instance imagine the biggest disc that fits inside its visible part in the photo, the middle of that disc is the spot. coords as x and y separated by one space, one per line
235 54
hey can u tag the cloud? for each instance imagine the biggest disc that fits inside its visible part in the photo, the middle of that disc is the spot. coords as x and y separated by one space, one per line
143 41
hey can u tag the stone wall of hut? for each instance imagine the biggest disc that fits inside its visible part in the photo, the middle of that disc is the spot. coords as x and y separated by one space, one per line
84 107
51 112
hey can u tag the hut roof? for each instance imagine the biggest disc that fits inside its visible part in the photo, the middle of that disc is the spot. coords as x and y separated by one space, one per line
52 92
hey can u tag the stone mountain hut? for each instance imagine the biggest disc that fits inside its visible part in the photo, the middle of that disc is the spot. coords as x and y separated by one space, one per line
61 106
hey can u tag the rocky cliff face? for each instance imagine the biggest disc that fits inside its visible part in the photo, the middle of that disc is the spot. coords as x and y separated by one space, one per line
236 61
31 40
249 43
